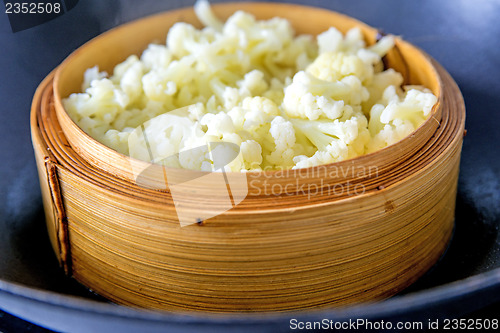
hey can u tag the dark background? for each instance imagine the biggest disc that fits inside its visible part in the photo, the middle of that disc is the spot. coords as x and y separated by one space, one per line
463 35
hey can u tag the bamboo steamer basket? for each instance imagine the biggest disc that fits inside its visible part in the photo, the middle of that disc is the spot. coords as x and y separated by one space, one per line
302 249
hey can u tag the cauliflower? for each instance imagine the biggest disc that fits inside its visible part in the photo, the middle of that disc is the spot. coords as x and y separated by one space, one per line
311 98
333 66
220 128
398 115
131 81
334 140
254 83
157 86
252 154
90 75
206 16
248 95
117 139
258 111
156 57
377 86
283 134
162 137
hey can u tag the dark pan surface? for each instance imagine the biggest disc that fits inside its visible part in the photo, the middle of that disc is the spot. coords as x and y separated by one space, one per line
463 35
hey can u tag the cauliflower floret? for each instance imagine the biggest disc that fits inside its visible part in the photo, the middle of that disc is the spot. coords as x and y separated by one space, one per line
157 86
252 154
195 155
131 81
183 39
117 139
333 41
378 84
414 105
312 98
228 96
254 82
283 133
90 75
196 111
102 100
122 68
333 66
395 117
220 127
258 110
156 56
238 25
334 152
163 137
206 16
330 40
335 140
390 133
383 45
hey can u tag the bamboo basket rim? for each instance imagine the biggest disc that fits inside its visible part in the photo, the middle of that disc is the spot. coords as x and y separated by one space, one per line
434 116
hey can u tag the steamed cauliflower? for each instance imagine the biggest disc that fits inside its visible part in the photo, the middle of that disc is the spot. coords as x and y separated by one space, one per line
249 95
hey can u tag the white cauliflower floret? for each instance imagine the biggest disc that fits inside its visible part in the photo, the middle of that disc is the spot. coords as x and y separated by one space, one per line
162 83
156 56
334 152
333 41
283 133
254 82
275 91
102 100
390 134
92 74
383 45
258 111
163 137
333 66
353 41
131 81
335 140
117 139
252 154
196 111
414 105
220 127
233 96
312 98
395 117
378 84
180 38
122 67
195 155
157 86
206 16
330 40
